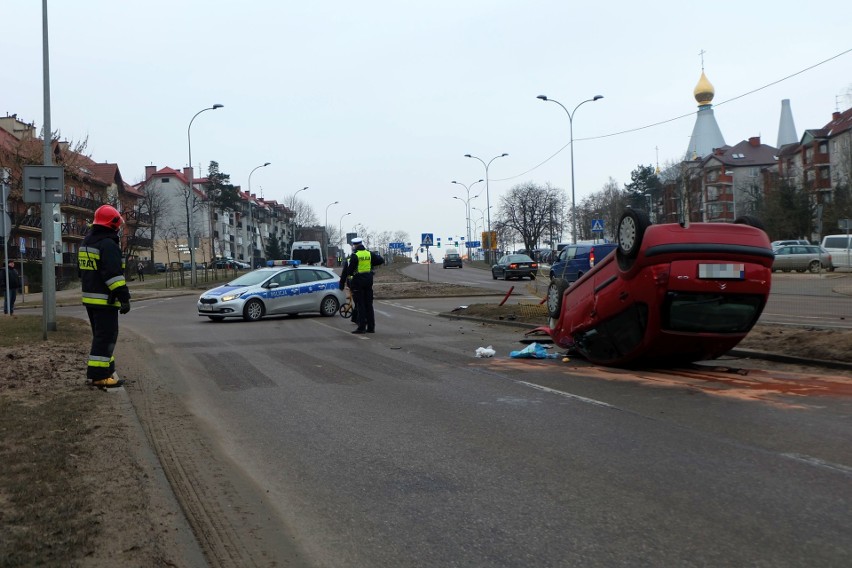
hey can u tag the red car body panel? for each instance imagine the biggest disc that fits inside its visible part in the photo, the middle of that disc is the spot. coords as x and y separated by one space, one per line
691 293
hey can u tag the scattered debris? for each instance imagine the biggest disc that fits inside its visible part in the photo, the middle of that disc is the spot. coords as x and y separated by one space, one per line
533 351
485 352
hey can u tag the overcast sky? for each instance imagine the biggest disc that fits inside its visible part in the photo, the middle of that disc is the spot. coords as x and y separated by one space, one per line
374 103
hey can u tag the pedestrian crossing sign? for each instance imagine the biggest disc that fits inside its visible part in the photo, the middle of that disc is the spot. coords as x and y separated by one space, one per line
597 226
426 239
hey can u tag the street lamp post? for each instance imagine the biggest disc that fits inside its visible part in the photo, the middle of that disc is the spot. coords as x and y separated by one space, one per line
293 209
340 225
467 205
481 219
487 195
571 129
249 230
325 229
193 278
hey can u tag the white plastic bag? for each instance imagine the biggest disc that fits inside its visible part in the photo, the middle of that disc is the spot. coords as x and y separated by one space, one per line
485 352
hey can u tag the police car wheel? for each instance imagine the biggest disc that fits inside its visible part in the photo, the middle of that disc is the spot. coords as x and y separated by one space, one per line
329 306
253 310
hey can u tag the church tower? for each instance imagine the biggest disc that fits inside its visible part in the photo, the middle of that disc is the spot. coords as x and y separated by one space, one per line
786 126
705 134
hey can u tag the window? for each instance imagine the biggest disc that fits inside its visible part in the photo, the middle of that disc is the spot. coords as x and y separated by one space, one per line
713 313
164 180
823 148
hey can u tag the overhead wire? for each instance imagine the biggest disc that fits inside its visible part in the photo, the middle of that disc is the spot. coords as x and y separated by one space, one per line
693 113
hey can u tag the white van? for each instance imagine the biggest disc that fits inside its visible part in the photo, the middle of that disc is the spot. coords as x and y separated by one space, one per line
840 247
307 252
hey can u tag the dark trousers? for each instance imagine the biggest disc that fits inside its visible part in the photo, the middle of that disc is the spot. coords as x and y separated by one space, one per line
104 323
362 290
9 303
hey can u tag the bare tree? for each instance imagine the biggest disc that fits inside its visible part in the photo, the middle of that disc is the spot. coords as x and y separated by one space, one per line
526 211
304 213
154 204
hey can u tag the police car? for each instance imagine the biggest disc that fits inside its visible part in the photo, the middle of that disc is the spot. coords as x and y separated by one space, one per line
285 287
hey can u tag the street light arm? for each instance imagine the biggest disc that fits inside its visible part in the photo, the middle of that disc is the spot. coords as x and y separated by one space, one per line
193 274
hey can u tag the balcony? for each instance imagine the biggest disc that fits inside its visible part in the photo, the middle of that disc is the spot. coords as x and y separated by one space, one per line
74 229
80 202
139 218
140 242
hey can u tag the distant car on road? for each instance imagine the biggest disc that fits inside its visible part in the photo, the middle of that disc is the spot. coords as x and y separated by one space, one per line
159 267
452 260
514 266
275 290
576 260
670 294
776 244
801 258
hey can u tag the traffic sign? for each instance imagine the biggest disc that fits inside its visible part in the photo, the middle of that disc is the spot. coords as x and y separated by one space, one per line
426 239
47 180
597 226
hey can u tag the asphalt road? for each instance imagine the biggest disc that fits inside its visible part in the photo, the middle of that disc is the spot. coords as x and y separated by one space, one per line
292 441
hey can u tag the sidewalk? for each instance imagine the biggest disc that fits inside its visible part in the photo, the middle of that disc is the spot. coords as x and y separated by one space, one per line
138 291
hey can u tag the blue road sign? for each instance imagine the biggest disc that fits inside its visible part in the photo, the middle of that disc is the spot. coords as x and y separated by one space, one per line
597 226
426 240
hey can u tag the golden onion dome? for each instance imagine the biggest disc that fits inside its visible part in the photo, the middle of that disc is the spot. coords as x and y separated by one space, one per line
704 90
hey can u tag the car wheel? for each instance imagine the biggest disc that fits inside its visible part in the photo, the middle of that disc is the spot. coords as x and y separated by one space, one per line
329 306
555 291
631 231
493 275
814 266
253 310
217 318
751 221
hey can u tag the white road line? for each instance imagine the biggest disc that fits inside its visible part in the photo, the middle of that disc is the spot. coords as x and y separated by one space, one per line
569 395
819 463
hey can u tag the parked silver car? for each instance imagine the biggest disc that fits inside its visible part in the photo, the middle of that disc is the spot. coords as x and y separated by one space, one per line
801 258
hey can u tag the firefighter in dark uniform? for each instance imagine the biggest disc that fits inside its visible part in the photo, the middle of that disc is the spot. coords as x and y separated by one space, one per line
105 293
360 268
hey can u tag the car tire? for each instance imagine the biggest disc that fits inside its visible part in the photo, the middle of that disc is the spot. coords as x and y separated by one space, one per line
493 275
555 291
217 318
253 310
329 306
631 231
814 266
751 221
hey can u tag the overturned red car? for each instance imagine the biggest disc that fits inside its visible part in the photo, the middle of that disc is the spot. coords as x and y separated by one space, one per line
669 294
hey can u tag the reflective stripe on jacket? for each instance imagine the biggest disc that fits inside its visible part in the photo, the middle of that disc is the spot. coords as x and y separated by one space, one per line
102 269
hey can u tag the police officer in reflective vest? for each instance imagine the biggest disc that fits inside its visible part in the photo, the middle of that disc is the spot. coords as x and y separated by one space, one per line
360 267
105 293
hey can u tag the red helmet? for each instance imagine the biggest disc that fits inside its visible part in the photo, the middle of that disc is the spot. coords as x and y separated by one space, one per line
108 216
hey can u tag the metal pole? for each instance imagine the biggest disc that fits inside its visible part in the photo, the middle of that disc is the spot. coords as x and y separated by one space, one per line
295 225
3 196
341 227
325 232
249 231
571 129
193 278
48 265
487 197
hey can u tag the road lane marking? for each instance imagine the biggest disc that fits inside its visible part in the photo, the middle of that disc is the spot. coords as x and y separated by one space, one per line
569 395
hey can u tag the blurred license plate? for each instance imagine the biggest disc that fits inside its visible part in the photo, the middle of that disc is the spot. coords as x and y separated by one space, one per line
205 308
728 271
